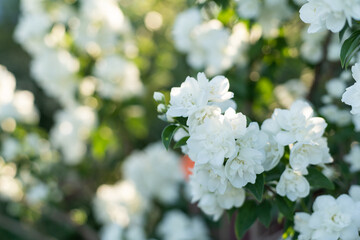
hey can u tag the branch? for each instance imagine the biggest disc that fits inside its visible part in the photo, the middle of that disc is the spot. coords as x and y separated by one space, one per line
21 230
319 68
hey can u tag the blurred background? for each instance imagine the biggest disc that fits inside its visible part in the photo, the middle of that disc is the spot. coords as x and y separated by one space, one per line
79 126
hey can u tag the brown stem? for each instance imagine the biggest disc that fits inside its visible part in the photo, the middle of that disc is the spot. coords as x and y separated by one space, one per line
21 230
319 68
62 218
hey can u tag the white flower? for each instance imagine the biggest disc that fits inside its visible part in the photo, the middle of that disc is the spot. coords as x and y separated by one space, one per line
301 221
211 178
273 153
175 225
233 197
330 14
304 153
333 114
120 203
199 116
297 124
209 204
71 131
111 231
356 121
10 148
58 82
237 121
290 91
335 218
217 87
249 8
212 141
243 168
335 87
158 97
184 24
187 98
293 185
155 172
354 193
118 78
353 158
352 94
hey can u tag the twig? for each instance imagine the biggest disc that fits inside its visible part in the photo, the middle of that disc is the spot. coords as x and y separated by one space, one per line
319 68
62 218
21 230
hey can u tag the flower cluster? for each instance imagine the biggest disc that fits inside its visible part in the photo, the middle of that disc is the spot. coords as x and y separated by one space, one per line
270 14
229 154
298 129
208 44
332 15
332 218
80 51
151 175
15 105
175 225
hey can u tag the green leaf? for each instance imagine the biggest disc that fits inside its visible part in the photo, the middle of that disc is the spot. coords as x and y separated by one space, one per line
181 142
349 48
246 216
318 180
257 189
264 213
342 32
168 134
285 206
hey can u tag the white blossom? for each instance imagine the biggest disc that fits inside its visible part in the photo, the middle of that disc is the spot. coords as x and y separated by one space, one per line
187 98
118 78
335 218
353 158
352 94
175 225
233 197
212 142
155 172
304 153
71 131
211 178
292 185
329 14
298 123
243 168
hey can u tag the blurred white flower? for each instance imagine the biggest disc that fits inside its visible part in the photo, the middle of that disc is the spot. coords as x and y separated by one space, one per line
71 131
55 71
353 158
119 204
156 173
118 78
175 225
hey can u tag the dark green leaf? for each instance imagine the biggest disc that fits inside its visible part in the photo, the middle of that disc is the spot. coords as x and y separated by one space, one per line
341 33
349 48
257 189
246 216
285 206
181 142
168 134
181 120
264 213
318 180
